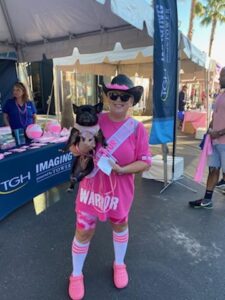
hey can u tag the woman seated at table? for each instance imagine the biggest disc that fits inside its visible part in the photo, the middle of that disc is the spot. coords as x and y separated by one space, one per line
19 112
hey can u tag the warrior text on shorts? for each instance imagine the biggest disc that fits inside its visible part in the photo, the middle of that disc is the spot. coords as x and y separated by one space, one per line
104 203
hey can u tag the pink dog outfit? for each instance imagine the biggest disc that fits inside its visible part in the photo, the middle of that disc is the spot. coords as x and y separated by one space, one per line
111 197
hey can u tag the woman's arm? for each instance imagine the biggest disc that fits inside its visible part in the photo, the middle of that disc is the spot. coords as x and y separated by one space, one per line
34 111
213 133
34 118
6 119
135 167
216 134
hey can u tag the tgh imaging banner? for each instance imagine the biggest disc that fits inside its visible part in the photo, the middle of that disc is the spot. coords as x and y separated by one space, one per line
165 71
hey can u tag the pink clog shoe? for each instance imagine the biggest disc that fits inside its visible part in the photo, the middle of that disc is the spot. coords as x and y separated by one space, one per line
120 276
76 287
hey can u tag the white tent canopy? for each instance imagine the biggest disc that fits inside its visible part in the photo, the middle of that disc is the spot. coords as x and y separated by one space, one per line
53 28
131 61
134 61
108 62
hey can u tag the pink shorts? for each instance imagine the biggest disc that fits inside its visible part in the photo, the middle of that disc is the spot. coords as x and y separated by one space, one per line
86 221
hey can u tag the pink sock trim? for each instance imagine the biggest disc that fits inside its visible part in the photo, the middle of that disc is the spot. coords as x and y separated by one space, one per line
78 248
120 239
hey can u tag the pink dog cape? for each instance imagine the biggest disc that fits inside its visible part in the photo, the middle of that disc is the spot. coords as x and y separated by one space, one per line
206 151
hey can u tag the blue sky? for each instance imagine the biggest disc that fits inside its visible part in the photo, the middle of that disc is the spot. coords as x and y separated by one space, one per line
201 34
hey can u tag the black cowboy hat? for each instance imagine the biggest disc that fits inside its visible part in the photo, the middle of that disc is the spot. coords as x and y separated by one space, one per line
123 83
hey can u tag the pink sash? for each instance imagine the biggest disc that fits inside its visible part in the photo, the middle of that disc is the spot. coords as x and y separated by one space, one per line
206 151
107 190
115 141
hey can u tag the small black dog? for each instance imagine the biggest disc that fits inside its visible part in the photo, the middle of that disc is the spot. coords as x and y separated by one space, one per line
87 130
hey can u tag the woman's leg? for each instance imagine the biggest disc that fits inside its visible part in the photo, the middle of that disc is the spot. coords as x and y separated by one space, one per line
120 242
80 248
85 228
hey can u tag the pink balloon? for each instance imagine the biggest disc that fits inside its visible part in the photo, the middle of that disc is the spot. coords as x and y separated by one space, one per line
53 127
34 131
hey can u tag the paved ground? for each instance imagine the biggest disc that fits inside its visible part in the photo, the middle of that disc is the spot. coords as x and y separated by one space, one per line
175 252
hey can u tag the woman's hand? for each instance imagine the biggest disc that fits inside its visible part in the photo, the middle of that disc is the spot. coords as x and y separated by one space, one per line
214 134
117 168
134 167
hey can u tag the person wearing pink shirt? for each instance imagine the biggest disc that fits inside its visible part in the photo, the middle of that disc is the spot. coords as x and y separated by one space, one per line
108 192
216 160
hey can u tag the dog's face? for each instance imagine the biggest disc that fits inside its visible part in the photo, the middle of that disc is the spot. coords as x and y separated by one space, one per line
87 115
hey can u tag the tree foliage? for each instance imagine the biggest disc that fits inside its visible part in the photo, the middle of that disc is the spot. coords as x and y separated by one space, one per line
210 14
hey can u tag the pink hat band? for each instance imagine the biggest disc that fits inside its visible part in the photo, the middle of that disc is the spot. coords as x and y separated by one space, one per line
123 83
117 87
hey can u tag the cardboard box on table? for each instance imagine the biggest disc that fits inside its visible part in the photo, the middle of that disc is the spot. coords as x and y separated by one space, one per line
156 171
188 128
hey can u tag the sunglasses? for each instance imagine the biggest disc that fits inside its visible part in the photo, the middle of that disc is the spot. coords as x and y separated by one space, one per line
123 97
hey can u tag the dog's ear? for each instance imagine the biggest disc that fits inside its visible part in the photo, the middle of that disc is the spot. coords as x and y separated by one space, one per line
98 107
75 108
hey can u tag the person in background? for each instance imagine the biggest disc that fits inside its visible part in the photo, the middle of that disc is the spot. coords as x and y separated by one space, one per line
109 197
19 112
217 158
181 104
203 98
220 186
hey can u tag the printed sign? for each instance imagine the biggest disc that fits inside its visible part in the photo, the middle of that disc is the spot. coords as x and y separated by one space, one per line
165 71
31 173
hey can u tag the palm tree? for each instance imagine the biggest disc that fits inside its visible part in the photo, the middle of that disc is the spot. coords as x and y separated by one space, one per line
210 14
191 20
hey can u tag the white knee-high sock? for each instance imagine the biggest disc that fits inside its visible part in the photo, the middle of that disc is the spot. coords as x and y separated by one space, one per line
79 253
120 242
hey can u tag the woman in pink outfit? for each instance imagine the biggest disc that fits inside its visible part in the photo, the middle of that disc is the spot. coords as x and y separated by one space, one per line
108 192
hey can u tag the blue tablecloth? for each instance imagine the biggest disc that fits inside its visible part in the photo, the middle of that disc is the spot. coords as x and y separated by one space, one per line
28 174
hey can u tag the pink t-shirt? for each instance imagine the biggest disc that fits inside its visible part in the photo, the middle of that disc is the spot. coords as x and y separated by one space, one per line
219 117
111 196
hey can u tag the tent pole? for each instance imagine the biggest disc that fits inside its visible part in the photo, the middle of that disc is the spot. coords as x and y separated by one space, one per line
175 113
167 183
8 22
57 88
165 150
207 96
164 146
49 101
